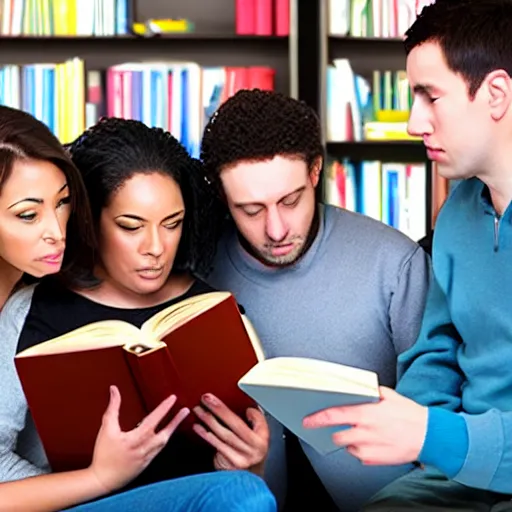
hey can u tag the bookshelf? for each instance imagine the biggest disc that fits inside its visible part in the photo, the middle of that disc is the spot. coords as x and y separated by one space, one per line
205 49
365 55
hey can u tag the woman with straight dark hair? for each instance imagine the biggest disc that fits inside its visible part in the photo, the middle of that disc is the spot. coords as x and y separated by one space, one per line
46 228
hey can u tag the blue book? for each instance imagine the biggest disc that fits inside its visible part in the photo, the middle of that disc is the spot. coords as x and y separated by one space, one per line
291 388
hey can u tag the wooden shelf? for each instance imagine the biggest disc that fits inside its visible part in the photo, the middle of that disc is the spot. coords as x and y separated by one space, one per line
190 36
366 40
391 151
368 53
207 49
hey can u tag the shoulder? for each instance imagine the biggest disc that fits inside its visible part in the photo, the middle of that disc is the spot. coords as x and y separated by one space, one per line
18 305
13 318
369 235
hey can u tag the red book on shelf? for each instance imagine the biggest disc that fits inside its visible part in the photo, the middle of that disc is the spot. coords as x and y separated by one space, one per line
244 17
202 344
261 77
282 14
263 18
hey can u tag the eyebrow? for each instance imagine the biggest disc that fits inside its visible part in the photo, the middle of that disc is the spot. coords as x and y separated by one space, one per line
36 200
296 191
142 219
424 89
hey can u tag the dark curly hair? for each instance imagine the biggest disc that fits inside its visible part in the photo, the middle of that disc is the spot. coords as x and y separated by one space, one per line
114 150
474 36
258 125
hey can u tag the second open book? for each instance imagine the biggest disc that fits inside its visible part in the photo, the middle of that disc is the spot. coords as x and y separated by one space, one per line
291 388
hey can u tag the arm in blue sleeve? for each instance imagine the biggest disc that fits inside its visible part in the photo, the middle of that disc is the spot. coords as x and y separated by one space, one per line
485 462
428 372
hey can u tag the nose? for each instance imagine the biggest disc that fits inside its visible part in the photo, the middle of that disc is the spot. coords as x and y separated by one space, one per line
419 123
153 243
55 228
275 228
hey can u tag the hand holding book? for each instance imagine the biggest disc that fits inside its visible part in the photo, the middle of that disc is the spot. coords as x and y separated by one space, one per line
239 445
120 456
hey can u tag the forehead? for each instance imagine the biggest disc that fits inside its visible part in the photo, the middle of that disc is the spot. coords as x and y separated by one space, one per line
33 178
264 181
427 66
148 191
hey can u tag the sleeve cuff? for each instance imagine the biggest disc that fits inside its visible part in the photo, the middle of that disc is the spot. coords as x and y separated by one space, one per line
446 443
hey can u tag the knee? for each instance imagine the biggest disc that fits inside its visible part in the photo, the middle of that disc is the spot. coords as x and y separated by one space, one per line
249 493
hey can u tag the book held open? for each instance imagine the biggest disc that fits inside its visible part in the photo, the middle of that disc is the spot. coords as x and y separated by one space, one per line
291 388
201 344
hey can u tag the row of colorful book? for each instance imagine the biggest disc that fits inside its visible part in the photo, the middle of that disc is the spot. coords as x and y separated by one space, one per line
372 18
393 193
65 17
362 109
262 17
177 96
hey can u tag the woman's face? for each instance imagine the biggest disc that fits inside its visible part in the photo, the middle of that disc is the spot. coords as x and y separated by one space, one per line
140 230
34 211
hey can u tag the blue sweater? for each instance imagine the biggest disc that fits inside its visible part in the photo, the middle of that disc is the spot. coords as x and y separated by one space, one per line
461 366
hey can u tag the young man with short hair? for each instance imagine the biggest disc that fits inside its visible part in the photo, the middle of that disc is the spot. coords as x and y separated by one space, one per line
452 408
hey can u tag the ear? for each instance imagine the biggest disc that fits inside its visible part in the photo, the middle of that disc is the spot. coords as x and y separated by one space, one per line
499 90
315 171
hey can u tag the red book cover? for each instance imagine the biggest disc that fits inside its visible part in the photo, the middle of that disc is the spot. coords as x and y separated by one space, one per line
244 17
188 349
282 15
263 18
261 77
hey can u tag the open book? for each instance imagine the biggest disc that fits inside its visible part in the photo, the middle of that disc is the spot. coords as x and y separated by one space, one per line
201 344
291 388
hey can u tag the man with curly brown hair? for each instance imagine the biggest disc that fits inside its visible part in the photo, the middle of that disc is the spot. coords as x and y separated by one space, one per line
317 281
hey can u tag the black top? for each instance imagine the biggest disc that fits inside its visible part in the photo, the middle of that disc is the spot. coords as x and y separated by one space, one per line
56 310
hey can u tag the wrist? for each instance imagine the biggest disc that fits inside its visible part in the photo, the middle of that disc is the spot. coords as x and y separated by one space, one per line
95 483
258 469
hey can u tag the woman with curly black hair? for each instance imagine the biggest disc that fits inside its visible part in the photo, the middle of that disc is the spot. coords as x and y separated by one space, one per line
155 225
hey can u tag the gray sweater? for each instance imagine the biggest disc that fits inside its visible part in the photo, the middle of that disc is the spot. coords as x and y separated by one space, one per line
356 298
21 451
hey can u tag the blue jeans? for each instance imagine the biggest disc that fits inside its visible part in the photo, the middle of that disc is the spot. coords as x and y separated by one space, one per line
219 491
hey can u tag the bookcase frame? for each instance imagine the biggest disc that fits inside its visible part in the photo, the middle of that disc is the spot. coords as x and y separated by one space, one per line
317 50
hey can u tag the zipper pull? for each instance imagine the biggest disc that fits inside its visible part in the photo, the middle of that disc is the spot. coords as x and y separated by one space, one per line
496 233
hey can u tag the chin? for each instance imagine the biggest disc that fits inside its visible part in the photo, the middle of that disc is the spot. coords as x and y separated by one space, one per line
39 273
147 288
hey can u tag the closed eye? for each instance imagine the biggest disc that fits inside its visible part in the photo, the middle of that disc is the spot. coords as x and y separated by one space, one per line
129 228
64 201
292 200
174 225
252 213
27 216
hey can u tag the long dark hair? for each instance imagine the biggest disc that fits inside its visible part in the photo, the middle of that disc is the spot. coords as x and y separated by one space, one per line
23 137
114 150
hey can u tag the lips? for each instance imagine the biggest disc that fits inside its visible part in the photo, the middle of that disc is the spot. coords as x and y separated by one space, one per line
434 154
281 250
55 257
150 272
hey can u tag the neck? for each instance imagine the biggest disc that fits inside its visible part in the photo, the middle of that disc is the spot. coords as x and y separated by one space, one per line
501 195
9 277
498 178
